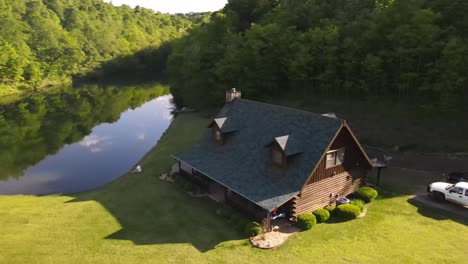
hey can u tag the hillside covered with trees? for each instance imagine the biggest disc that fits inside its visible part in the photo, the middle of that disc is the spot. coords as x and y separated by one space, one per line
273 48
48 41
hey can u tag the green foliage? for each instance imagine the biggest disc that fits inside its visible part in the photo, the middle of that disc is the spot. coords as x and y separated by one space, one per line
331 209
322 215
367 194
55 39
306 221
347 211
359 203
302 48
253 229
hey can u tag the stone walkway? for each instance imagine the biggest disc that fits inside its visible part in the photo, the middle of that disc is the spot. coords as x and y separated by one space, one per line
282 231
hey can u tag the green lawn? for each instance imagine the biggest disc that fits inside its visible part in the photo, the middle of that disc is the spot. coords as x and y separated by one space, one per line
139 219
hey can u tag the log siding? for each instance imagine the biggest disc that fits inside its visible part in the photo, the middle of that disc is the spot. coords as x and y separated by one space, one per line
325 185
325 192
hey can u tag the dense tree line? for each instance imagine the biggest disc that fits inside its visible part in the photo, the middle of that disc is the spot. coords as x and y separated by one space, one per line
45 41
39 125
272 48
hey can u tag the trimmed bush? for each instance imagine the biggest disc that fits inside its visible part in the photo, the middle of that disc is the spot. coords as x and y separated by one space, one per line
322 215
359 203
347 211
331 209
253 229
225 212
367 194
306 221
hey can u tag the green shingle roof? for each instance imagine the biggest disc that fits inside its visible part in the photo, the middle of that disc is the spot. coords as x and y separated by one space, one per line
241 163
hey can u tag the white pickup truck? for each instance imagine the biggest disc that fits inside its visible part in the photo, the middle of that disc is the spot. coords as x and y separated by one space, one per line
456 193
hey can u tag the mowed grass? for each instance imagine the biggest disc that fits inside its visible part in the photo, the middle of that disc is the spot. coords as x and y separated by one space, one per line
140 219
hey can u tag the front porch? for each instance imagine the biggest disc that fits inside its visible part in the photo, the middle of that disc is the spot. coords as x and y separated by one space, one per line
226 196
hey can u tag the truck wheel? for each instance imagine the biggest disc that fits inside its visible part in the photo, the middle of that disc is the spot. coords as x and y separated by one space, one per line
439 197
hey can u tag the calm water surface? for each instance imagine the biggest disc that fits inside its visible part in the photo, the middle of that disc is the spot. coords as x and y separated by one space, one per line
99 157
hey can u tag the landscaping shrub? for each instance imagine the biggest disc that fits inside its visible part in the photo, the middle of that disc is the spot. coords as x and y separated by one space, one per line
347 211
225 212
331 209
306 221
253 229
367 194
359 203
322 215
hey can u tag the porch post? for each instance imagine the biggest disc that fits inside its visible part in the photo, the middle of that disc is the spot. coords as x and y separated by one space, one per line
378 176
268 221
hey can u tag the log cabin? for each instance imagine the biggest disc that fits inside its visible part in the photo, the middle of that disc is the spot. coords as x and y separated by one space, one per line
272 159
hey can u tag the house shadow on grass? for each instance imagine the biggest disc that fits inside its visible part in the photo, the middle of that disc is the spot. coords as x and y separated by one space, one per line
439 211
161 213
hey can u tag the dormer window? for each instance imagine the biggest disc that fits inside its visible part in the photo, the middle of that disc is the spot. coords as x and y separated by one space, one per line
222 129
335 157
277 157
218 136
217 128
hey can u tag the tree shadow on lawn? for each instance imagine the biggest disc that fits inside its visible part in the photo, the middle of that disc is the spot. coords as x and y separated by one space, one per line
439 211
160 213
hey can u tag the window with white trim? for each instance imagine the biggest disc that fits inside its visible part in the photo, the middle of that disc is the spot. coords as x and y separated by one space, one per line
335 157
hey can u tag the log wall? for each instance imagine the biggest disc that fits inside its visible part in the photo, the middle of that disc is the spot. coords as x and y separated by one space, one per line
325 192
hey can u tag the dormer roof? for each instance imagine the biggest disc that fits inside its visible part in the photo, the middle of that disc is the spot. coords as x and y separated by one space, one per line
282 141
220 122
289 144
225 124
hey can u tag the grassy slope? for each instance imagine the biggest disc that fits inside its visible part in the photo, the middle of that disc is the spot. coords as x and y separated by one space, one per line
140 219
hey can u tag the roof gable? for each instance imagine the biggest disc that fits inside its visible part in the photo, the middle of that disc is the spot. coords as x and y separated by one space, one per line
282 141
220 122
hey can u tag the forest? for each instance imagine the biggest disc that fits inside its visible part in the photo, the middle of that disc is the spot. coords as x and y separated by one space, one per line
269 49
340 48
44 42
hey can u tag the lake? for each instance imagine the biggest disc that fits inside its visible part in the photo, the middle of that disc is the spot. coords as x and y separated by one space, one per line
72 140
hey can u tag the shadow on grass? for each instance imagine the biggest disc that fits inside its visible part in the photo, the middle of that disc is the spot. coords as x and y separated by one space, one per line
439 211
162 213
151 211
